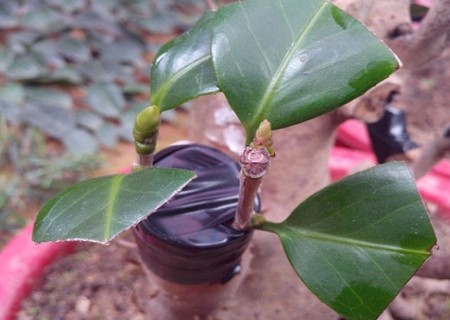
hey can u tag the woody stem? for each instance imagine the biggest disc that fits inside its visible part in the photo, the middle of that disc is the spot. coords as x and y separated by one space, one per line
254 164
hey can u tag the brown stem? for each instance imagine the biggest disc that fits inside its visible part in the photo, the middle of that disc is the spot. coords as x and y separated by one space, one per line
144 160
254 164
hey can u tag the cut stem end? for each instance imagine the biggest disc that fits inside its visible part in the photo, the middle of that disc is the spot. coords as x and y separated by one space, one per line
254 165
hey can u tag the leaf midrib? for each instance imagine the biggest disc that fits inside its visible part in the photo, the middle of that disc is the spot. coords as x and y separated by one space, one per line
112 200
300 232
268 95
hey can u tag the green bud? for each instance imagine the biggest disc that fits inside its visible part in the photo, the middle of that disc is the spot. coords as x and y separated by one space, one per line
257 220
146 124
143 148
263 137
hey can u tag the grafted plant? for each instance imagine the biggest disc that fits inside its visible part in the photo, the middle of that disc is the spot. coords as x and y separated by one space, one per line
355 243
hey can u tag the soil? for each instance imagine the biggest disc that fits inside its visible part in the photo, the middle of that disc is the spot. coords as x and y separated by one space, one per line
108 282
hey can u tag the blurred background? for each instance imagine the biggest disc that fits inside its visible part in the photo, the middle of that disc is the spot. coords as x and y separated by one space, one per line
73 74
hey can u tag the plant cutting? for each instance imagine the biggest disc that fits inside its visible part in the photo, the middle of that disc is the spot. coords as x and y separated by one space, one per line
193 210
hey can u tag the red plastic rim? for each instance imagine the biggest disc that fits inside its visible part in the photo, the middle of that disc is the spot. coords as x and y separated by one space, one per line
22 262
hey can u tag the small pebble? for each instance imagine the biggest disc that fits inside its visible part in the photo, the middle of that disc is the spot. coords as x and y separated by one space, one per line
83 305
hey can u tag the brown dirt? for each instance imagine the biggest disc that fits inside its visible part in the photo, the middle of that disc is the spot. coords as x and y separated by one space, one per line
107 282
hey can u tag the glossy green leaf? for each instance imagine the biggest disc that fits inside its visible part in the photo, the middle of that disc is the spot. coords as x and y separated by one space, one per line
291 60
98 209
183 68
357 242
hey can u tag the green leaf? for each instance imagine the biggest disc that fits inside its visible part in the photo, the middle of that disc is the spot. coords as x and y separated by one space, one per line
94 71
68 6
6 58
54 121
25 67
13 94
357 242
8 17
49 96
63 75
183 68
74 49
133 87
45 50
42 19
89 120
158 23
99 209
105 8
12 99
123 50
291 60
106 98
79 142
108 135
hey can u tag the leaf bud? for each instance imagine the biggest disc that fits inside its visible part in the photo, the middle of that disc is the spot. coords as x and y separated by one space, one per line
146 124
263 137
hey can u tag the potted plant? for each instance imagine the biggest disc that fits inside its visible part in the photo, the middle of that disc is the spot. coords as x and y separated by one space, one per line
355 243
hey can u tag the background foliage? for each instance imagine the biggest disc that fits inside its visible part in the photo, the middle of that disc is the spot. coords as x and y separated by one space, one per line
51 48
75 72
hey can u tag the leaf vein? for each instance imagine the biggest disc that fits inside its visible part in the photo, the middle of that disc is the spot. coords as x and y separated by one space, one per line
268 95
300 232
74 203
261 49
112 200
